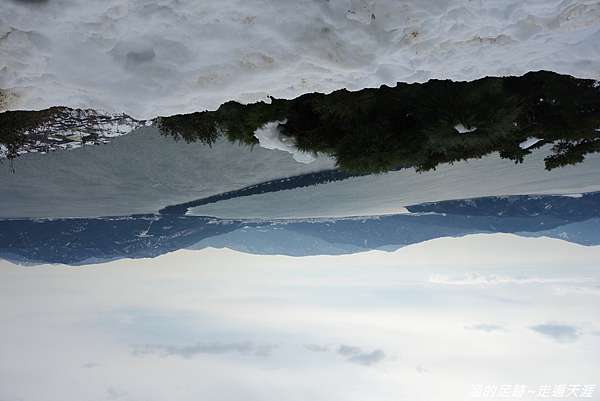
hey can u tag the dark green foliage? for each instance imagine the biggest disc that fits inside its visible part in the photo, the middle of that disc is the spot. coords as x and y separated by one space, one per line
376 130
413 125
201 126
238 122
409 125
55 128
14 125
557 106
566 153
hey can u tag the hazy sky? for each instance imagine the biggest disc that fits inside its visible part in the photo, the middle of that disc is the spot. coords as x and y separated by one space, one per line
424 323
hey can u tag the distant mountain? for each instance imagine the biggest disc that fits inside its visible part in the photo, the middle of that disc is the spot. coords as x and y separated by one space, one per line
573 207
583 232
81 241
77 241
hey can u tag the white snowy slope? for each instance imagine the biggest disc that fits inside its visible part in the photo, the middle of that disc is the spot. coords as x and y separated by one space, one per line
389 193
143 172
162 57
140 172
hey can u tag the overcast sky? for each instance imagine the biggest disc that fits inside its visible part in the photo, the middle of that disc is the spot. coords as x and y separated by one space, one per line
424 323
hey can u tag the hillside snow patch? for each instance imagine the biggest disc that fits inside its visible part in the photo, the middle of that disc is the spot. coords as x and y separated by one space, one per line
270 137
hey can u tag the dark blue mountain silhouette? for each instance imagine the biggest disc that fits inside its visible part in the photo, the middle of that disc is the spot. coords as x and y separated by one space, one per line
90 240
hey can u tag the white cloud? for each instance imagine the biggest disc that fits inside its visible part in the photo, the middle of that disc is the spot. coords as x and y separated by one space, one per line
359 356
190 351
199 319
488 328
477 279
562 333
316 348
368 358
